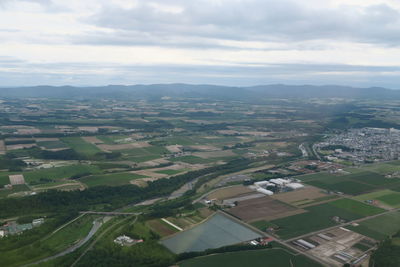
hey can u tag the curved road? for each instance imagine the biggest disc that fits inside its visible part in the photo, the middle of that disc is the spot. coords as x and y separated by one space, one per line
96 226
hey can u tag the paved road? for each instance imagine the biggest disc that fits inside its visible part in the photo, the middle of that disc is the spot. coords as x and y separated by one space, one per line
96 226
97 239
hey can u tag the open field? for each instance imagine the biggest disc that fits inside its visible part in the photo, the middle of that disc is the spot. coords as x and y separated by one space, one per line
43 176
161 228
263 208
321 216
117 147
380 227
214 154
384 198
114 179
51 144
260 258
303 196
216 232
229 192
80 145
356 207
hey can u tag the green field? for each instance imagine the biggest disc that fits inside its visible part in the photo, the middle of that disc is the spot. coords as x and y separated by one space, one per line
358 181
388 197
114 179
356 207
263 225
144 153
380 227
80 145
320 217
111 139
52 144
46 175
259 258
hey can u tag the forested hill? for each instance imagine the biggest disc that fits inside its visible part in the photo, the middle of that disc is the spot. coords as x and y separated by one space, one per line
158 91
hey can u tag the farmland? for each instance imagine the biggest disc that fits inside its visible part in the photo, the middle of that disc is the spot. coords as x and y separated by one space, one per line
80 145
262 258
320 216
386 197
114 179
182 159
380 227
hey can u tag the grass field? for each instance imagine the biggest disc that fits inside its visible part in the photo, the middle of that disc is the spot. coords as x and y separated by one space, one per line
358 181
380 227
35 177
387 197
320 217
144 153
80 145
356 207
114 179
51 144
259 258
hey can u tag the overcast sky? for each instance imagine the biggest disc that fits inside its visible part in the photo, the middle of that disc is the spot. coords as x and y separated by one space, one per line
228 42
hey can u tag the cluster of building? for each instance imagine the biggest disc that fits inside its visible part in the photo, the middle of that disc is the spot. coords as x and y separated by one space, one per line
13 228
277 185
363 145
124 240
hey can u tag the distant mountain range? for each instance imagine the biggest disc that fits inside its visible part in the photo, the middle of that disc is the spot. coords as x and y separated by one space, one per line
203 91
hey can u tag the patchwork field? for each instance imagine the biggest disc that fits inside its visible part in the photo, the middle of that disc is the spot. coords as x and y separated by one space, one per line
380 227
383 198
48 175
80 145
263 208
356 183
321 216
304 196
260 258
229 192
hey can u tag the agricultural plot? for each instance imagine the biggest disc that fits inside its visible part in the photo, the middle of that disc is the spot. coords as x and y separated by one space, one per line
144 153
379 227
384 198
161 228
43 176
216 232
55 144
305 196
263 208
114 179
80 145
355 183
259 258
321 216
